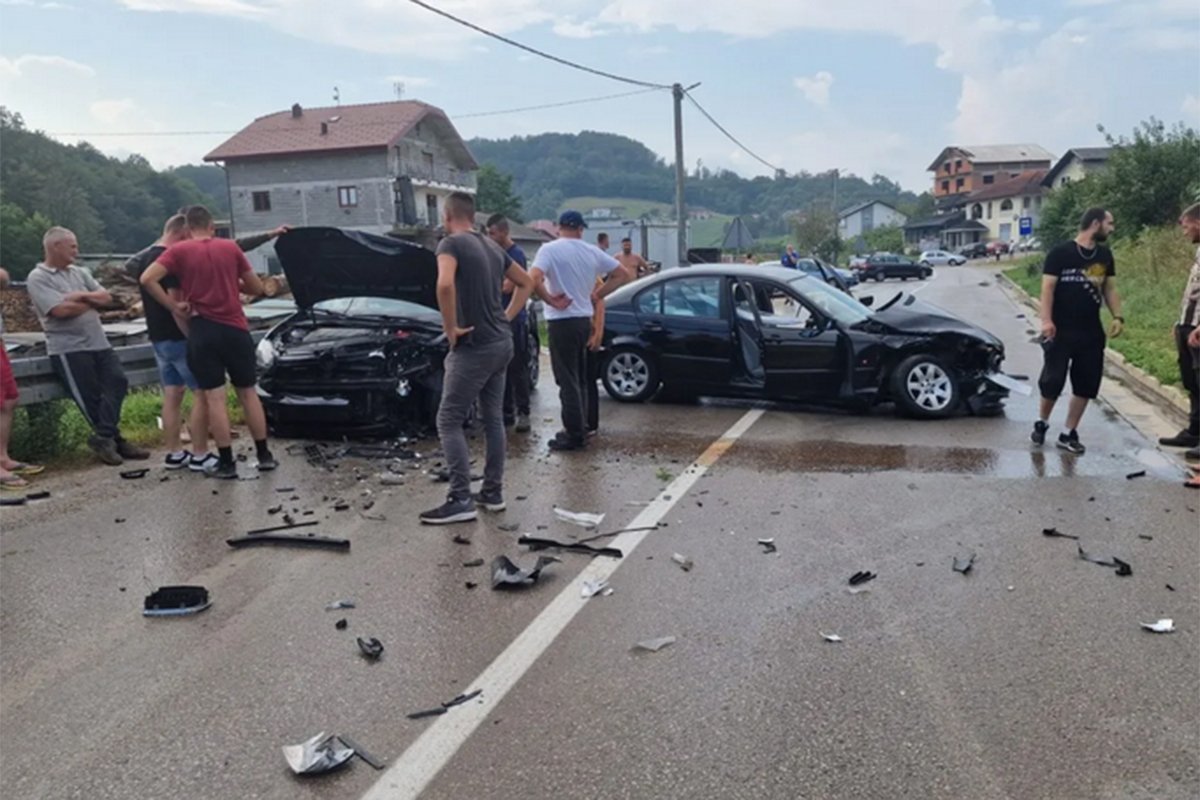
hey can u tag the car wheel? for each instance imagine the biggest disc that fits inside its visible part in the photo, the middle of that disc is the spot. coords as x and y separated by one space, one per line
925 273
879 276
924 387
903 278
629 375
924 263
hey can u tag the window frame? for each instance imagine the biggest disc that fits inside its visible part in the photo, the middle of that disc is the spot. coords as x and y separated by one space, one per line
716 279
347 196
260 201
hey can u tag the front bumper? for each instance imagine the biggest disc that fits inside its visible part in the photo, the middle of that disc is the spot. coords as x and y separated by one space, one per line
332 412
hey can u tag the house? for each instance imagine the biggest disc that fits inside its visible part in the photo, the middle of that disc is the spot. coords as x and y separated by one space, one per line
856 220
959 171
951 231
1001 206
1076 164
380 167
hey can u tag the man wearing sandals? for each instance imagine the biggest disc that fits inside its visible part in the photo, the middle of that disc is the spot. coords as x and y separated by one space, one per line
12 473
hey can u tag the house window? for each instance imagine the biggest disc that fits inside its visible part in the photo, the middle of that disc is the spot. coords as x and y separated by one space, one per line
1025 202
976 211
427 158
958 165
945 186
1065 180
989 179
347 196
431 210
958 183
261 200
946 167
1006 205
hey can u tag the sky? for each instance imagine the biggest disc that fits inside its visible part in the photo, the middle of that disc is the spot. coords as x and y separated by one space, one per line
864 86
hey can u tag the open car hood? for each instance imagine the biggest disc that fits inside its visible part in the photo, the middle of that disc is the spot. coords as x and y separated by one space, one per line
327 263
910 315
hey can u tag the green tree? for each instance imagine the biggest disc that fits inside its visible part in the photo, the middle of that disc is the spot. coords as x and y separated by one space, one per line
20 239
1150 177
1062 210
888 239
816 233
494 194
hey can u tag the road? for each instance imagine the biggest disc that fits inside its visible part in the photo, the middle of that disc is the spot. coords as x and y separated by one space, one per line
1027 678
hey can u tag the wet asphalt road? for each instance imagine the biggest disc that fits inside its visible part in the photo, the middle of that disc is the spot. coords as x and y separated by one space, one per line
1028 678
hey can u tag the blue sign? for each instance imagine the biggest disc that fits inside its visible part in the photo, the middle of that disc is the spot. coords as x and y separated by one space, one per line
1026 225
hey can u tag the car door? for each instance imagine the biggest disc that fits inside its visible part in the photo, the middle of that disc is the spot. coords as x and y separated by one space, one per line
685 323
802 351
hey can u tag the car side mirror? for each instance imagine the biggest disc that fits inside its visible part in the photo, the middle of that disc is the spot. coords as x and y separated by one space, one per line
866 301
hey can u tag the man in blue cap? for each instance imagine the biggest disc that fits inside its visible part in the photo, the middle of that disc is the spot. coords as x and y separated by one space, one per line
565 272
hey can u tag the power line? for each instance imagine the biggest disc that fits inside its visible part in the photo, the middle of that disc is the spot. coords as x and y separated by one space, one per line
555 105
730 136
537 52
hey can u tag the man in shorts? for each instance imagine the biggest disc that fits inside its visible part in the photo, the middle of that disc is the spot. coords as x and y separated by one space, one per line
212 273
1078 278
12 472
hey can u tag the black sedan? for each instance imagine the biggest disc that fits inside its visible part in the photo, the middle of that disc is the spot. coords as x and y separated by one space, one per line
363 353
727 331
882 267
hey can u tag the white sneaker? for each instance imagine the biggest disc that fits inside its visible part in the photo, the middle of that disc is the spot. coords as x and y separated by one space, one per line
203 462
177 460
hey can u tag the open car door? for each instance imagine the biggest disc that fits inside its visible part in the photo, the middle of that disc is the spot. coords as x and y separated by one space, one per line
748 352
803 351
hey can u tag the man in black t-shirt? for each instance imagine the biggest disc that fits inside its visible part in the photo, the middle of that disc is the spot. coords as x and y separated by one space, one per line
1077 279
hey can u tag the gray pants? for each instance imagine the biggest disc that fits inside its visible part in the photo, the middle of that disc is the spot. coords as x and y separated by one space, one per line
474 372
97 384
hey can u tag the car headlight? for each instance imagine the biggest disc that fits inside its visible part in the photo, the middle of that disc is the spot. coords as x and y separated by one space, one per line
264 354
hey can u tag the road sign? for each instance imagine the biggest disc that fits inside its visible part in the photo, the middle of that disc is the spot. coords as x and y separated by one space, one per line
1026 225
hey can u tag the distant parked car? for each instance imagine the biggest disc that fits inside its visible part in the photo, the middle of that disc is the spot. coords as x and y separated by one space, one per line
997 247
857 261
1030 244
840 278
940 258
974 250
882 266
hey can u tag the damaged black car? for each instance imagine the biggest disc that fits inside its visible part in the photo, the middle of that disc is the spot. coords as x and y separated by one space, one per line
770 333
362 355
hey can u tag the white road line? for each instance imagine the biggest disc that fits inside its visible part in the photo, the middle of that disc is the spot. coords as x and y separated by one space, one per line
426 757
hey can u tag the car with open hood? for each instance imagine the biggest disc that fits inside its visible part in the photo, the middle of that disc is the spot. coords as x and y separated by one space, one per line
363 353
725 331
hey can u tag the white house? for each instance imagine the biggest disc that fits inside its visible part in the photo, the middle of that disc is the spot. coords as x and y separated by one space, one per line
857 220
1002 205
1075 165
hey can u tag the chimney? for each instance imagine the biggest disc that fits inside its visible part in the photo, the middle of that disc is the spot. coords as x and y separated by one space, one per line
297 112
324 128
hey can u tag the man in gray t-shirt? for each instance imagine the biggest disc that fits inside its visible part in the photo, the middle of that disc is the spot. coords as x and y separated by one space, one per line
471 269
65 298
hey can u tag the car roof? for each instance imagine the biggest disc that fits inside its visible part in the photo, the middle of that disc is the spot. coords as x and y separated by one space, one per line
781 274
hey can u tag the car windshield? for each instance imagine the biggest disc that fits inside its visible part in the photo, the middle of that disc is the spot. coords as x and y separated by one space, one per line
830 301
374 307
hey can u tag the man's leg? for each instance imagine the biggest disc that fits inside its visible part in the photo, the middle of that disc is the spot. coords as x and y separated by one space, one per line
7 408
114 388
568 357
198 424
592 389
172 416
1189 375
461 382
1075 411
491 398
79 374
1050 385
516 386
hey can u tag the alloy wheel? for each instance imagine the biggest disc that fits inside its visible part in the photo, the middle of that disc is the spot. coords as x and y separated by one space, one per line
628 374
929 386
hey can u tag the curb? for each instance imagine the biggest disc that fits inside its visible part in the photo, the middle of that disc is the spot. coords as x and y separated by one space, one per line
1148 388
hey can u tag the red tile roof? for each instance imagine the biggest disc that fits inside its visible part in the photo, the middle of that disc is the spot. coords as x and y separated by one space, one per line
1027 182
356 127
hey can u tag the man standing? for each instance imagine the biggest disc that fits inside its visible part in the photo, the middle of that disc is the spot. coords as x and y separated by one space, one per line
1078 278
211 274
12 472
1187 343
471 270
66 298
602 241
789 258
168 335
516 383
631 261
564 274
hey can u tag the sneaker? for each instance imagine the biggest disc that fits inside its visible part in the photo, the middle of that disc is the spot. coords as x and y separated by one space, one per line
592 433
131 452
201 463
106 450
489 501
177 460
567 444
523 425
1070 442
1193 454
1184 438
224 472
267 464
1038 436
449 512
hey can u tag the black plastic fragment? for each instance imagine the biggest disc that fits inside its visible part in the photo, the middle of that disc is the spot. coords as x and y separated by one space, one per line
536 543
285 489
1055 532
288 526
275 509
12 501
361 752
174 601
371 648
341 505
341 624
1123 567
1141 473
767 547
862 577
1170 588
475 562
460 539
471 584
42 495
1146 536
433 712
507 575
964 564
134 474
320 542
462 698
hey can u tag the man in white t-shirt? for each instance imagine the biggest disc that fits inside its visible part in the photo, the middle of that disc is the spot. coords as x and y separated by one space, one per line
564 273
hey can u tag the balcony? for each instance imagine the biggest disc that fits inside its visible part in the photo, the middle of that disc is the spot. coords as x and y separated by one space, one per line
439 175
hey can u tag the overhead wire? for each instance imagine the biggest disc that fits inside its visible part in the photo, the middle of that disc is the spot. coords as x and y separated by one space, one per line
729 135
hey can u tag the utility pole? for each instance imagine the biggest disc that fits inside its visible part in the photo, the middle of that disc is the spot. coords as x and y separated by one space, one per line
680 211
837 222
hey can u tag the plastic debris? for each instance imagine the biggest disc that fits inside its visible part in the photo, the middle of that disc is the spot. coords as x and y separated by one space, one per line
1139 474
462 698
361 752
537 543
471 584
297 540
342 624
581 518
1123 568
371 648
593 588
134 474
654 645
460 539
42 495
861 577
768 546
1056 533
339 604
391 479
853 590
506 574
1162 626
475 562
287 526
683 561
509 527
964 564
321 753
433 712
832 637
176 601
14 501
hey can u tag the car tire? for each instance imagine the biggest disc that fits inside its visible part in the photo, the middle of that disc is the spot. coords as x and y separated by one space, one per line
879 276
630 375
924 263
925 387
925 273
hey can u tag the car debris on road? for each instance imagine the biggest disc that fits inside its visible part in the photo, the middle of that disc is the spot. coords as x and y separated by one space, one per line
319 754
581 518
1166 625
176 601
507 575
654 645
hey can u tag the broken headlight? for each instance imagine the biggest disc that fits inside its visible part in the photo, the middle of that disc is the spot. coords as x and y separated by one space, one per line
264 354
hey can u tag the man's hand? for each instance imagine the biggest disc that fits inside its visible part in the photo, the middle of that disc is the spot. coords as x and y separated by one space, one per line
1193 340
456 333
182 308
559 301
1049 330
596 340
74 297
1116 328
280 231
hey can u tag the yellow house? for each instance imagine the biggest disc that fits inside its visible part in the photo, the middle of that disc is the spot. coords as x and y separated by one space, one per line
1001 206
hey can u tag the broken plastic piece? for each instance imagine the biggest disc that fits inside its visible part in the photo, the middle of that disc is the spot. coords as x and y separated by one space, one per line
133 474
509 527
1123 568
1139 474
471 584
318 754
462 698
342 624
654 645
338 604
683 561
176 601
581 518
287 526
1086 556
862 576
391 479
506 574
284 539
475 562
341 505
768 546
16 501
361 752
1162 626
537 543
371 648
1055 532
275 509
964 564
42 495
832 637
433 712
460 539
593 588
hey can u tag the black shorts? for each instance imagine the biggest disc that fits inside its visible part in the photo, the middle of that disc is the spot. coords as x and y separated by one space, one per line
214 349
1081 356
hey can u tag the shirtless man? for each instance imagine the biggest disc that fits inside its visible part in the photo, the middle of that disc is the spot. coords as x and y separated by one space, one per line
630 260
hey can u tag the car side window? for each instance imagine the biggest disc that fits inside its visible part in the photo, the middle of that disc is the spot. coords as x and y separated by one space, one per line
698 297
649 302
779 308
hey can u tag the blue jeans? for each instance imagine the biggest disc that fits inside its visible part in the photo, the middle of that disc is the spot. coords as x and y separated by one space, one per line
173 370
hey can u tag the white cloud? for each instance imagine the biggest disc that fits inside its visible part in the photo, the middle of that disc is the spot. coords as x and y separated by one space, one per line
816 88
570 29
1191 107
22 66
111 112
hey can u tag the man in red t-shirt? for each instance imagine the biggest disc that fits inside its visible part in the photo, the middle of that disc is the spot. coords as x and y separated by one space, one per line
212 273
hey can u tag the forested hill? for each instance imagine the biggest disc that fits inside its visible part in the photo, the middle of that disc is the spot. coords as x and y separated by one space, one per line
112 205
550 167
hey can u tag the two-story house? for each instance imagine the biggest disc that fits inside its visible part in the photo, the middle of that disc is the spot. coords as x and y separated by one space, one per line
959 171
1002 205
380 167
1076 164
858 219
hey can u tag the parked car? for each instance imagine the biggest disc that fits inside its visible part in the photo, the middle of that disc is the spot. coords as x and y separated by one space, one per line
882 266
1033 243
857 261
974 250
940 258
771 333
997 247
363 353
841 278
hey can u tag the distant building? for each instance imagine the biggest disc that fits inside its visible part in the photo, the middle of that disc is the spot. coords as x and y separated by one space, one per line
951 231
380 167
1001 205
857 220
959 171
1076 164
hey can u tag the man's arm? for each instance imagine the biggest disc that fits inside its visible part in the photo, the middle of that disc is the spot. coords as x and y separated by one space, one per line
1113 300
1049 282
522 287
447 297
151 281
248 243
52 303
597 337
251 284
557 301
616 279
